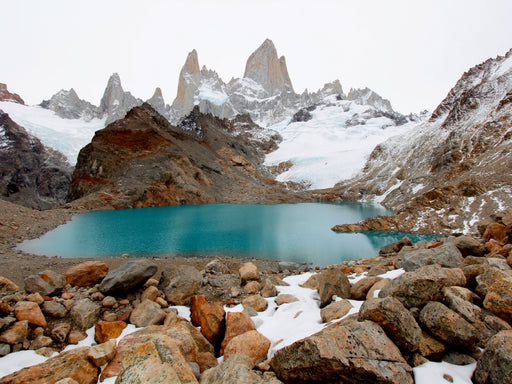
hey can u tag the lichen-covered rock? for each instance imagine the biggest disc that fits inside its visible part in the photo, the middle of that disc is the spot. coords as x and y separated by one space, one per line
235 370
85 313
251 343
332 282
180 284
7 285
495 364
468 246
86 273
147 313
128 277
54 309
101 354
46 283
360 289
15 334
499 299
395 247
356 352
285 298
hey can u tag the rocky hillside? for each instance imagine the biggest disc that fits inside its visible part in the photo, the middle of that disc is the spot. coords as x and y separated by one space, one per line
5 95
454 169
142 160
31 174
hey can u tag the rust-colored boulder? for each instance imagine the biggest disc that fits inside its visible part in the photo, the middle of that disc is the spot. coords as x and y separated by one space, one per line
15 334
86 273
237 323
495 364
332 282
335 310
106 330
360 289
498 232
499 299
252 344
30 311
248 271
7 285
212 322
256 302
196 302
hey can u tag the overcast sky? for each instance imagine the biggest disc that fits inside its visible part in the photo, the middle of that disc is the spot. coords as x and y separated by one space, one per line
410 52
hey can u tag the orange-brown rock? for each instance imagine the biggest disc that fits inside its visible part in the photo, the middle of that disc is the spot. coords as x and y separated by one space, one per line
101 354
15 334
498 232
72 364
212 321
206 360
106 330
252 344
237 323
195 303
86 273
30 311
5 95
7 285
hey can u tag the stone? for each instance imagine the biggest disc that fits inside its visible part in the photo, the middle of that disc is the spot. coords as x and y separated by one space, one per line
495 364
237 323
468 246
377 287
15 334
446 255
86 274
429 347
216 266
106 330
458 358
285 298
256 302
498 232
252 287
269 289
332 282
196 302
30 311
498 262
7 285
181 335
74 337
71 364
41 342
235 370
360 289
395 247
67 380
251 343
499 299
36 298
5 349
507 219
312 282
128 277
206 360
203 345
109 301
248 271
150 293
180 284
335 310
54 309
355 352
163 363
398 323
60 332
447 326
425 284
147 313
212 322
161 302
101 354
47 283
85 313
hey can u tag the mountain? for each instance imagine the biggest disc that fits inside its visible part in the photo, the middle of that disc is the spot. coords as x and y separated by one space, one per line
5 95
143 160
454 169
68 105
31 174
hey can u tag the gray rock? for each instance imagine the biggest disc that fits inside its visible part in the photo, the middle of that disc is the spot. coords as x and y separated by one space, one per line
180 284
332 282
128 277
395 247
446 256
468 246
216 266
5 349
458 358
398 323
234 370
495 364
115 101
147 313
46 283
60 332
68 105
425 284
54 309
85 313
357 352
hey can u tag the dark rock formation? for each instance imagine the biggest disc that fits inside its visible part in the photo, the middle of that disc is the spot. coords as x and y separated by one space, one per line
31 174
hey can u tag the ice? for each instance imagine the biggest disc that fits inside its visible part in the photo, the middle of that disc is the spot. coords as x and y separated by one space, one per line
65 135
213 96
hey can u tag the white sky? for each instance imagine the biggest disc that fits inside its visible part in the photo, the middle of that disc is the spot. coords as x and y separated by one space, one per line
409 51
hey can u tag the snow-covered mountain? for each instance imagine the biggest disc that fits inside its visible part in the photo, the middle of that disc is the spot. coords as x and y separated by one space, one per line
454 169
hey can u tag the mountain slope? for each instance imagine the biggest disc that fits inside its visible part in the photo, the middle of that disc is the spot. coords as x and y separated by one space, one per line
454 169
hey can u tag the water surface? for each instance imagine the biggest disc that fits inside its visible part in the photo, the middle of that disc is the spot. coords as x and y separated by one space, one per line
292 232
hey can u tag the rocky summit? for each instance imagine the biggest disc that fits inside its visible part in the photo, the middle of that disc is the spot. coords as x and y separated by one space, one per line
142 160
5 95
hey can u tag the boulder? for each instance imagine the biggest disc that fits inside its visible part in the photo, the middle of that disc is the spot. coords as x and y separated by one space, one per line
60 332
7 285
468 246
332 282
72 364
101 354
85 313
237 323
269 289
150 293
395 247
425 284
86 274
36 298
489 276
360 289
206 360
284 298
41 341
30 311
446 255
507 219
248 271
252 287
398 323
180 284
46 283
447 326
498 232
128 277
312 282
235 370
106 330
252 344
499 299
256 302
335 310
429 347
216 266
377 287
212 322
54 309
495 364
356 352
181 335
15 334
147 313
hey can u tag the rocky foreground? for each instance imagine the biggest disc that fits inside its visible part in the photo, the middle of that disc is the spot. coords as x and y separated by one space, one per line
453 303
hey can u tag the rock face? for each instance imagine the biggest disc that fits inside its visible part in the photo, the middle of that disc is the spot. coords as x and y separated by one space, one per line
450 171
32 175
115 101
353 353
68 105
495 365
189 80
5 95
142 161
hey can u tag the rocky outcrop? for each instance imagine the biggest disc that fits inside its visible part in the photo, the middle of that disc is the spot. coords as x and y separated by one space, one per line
368 97
115 101
188 83
158 103
32 175
5 95
68 105
142 160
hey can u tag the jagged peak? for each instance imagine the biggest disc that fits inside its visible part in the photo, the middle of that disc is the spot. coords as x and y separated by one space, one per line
191 63
157 93
5 95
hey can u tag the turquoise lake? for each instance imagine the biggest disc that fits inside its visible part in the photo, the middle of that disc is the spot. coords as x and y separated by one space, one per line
284 232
